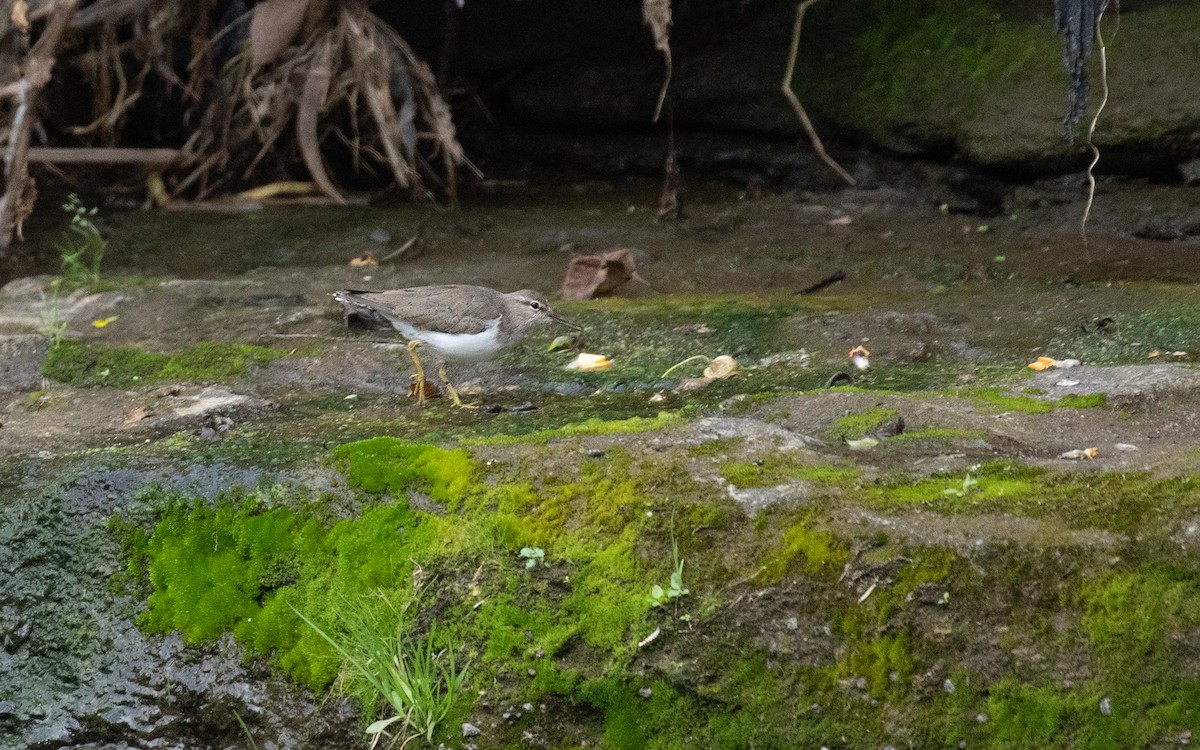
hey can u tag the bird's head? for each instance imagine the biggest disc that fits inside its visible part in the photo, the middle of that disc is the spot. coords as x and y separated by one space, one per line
529 308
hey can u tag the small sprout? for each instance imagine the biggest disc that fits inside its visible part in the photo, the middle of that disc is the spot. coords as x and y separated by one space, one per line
945 599
967 483
563 343
533 557
862 444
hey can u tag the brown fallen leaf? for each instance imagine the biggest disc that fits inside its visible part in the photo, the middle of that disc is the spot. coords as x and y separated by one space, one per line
366 259
431 390
591 276
139 414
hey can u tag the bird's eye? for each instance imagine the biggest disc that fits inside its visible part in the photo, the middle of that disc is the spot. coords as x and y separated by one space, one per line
535 305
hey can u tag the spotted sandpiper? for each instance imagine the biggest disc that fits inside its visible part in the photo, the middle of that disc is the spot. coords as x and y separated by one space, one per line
458 323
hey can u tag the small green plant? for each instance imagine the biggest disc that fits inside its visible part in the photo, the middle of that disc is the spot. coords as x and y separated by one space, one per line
246 731
967 484
420 682
53 328
82 246
675 589
533 556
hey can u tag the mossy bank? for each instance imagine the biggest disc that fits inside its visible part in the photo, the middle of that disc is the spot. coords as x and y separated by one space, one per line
797 629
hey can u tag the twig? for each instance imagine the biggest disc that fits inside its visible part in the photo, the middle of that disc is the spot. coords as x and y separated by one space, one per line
790 95
402 249
150 156
1091 178
38 64
827 281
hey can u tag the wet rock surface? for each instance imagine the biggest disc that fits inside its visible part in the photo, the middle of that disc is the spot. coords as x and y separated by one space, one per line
78 671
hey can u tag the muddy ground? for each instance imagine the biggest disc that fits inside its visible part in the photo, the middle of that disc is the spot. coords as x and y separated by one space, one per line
952 300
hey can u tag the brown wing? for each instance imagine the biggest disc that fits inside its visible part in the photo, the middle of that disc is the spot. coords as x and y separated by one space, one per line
454 308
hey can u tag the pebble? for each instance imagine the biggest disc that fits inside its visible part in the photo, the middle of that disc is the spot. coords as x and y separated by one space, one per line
1106 706
470 730
645 692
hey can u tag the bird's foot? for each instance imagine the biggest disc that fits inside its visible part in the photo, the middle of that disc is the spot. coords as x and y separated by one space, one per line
453 393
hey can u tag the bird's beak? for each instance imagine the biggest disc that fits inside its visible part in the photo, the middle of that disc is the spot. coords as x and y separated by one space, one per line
560 319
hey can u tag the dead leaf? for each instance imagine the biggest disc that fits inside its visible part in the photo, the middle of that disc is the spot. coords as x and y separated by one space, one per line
312 100
431 390
722 367
20 16
366 259
273 26
102 322
139 414
1041 363
1076 454
591 276
841 221
589 363
273 189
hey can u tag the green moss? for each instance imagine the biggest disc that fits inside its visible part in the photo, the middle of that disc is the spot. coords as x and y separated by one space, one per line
388 464
1134 334
1025 716
83 364
816 551
1088 401
1130 615
715 448
575 619
1000 399
936 434
593 426
916 53
854 426
769 471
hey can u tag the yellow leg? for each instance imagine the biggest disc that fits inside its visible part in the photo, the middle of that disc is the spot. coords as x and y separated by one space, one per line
420 376
450 389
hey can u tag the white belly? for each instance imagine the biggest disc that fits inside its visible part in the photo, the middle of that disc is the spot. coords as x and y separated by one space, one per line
471 347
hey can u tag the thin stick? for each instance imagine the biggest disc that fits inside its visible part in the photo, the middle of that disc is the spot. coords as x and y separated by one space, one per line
1091 178
677 365
38 65
790 95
